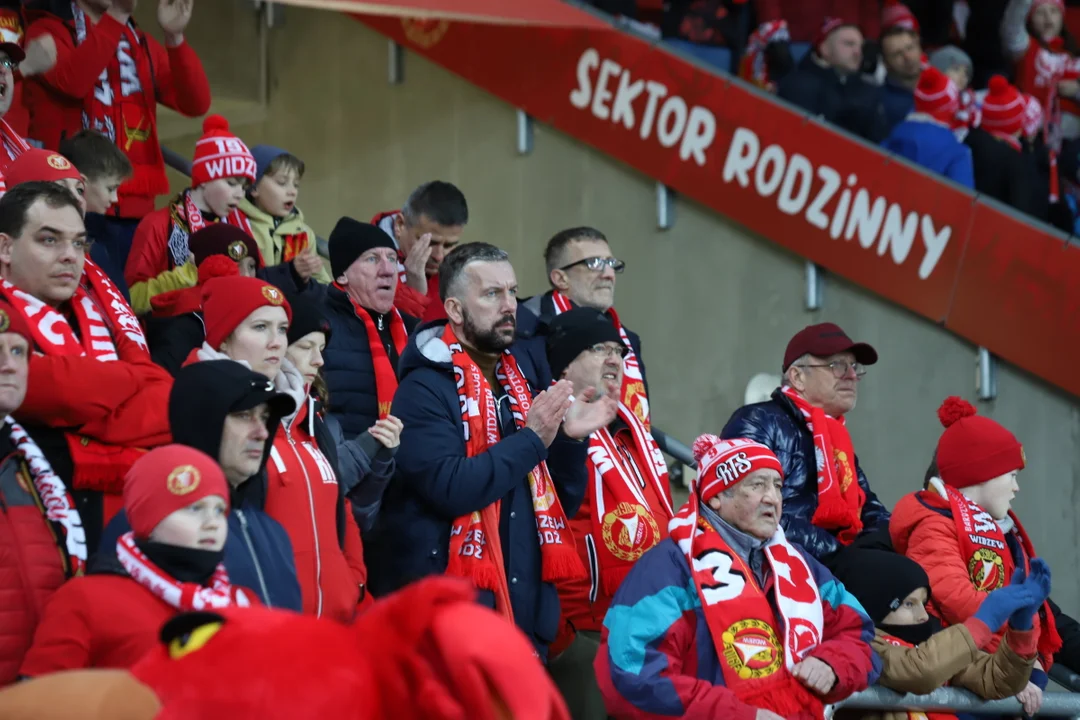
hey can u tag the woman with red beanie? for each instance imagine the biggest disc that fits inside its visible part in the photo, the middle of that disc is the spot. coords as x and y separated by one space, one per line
962 531
176 499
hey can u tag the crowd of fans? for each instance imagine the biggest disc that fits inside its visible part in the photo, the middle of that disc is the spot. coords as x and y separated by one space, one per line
984 93
262 426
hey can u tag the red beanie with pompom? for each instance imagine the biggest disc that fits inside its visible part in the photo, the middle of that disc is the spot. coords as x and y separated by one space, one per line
974 449
219 154
217 266
1003 108
724 463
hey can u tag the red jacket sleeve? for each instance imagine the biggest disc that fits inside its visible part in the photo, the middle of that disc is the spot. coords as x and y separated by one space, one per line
409 301
933 545
847 634
180 78
63 637
149 248
77 68
354 548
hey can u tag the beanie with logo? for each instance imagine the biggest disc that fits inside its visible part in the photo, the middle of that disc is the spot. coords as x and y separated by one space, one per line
219 154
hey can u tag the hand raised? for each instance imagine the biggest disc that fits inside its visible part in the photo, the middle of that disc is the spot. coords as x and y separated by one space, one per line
588 414
416 264
548 409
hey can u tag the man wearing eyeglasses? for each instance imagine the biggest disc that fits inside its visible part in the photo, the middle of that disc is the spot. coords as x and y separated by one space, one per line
627 503
581 271
827 500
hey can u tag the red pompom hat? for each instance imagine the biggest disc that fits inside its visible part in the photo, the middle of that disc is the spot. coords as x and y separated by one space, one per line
896 14
167 479
1003 108
724 463
228 300
936 95
974 448
220 154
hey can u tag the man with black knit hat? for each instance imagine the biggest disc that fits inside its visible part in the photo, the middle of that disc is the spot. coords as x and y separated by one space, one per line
231 413
369 332
627 504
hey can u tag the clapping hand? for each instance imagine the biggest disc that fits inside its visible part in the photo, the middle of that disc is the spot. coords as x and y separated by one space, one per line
588 414
1038 586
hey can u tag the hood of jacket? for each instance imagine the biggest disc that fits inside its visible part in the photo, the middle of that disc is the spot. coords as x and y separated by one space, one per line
426 349
913 510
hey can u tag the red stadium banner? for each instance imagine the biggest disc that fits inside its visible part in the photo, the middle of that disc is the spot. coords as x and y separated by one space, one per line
550 13
881 224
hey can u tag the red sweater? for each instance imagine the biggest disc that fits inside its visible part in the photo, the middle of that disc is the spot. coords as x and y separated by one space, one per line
805 17
174 77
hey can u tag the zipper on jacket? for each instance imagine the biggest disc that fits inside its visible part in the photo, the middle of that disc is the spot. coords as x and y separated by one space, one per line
254 557
311 507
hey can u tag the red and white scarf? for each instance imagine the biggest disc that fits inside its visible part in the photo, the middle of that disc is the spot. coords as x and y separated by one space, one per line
757 648
386 381
989 561
840 498
184 596
621 515
186 219
633 384
475 549
13 147
59 507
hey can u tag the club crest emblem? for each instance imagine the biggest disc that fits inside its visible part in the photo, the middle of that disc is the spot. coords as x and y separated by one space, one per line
752 649
183 480
629 530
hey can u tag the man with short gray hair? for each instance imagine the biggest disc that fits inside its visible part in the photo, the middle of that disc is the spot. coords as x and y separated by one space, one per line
827 500
487 473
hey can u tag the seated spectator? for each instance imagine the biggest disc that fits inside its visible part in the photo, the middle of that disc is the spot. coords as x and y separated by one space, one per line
175 326
286 242
713 31
926 137
96 401
370 332
169 562
828 83
43 538
917 655
767 58
160 258
626 510
902 56
962 531
727 617
826 505
803 18
487 495
110 76
232 413
424 231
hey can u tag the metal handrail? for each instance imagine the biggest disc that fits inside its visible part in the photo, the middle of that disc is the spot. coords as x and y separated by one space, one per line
674 447
1065 677
949 699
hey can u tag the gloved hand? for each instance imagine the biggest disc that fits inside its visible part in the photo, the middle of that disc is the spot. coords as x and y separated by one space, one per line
1038 582
1002 603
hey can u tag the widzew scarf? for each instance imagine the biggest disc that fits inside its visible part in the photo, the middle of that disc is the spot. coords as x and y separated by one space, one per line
757 648
386 381
184 596
13 146
59 507
475 549
185 219
107 330
621 516
840 499
989 561
632 394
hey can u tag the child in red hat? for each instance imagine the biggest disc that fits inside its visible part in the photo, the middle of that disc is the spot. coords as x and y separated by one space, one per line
160 258
176 499
961 528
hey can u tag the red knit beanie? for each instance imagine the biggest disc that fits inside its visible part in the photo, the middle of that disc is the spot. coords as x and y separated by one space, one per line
724 463
41 165
936 95
14 322
828 26
896 14
167 479
228 300
1003 108
973 448
220 154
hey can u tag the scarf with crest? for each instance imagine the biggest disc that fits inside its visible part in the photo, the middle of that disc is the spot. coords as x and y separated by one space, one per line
185 219
475 548
184 596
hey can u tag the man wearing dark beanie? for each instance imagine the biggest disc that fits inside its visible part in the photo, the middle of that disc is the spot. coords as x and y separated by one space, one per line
918 656
625 512
369 332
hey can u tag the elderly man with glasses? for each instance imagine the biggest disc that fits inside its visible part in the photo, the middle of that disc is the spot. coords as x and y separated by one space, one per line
581 271
827 502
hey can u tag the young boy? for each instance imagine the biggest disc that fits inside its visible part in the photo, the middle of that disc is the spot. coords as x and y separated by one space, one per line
277 224
160 258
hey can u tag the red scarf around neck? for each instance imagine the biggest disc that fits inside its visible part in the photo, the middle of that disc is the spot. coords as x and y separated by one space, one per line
840 498
186 219
621 515
386 380
633 383
757 649
184 596
13 146
475 547
989 561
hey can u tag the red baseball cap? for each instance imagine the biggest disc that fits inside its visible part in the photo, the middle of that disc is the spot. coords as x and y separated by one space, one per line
824 340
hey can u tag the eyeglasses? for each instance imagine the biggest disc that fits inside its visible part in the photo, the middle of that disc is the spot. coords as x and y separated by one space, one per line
8 63
840 368
609 350
596 264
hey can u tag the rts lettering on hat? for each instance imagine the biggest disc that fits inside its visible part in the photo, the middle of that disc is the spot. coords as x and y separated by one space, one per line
183 480
272 294
731 470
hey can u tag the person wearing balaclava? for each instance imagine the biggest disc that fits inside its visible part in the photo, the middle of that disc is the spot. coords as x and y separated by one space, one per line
917 655
171 561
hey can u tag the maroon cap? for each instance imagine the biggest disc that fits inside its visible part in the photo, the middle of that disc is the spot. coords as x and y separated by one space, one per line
13 51
824 340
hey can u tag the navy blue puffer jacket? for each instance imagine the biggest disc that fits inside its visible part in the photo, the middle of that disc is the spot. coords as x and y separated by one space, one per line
779 425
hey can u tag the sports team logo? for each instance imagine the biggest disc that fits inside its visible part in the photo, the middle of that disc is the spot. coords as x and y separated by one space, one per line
843 469
5 321
272 294
804 638
58 162
752 649
183 480
629 530
237 250
987 570
424 33
634 398
542 492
